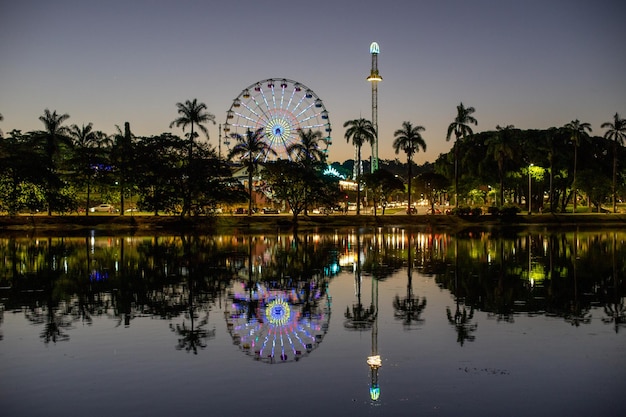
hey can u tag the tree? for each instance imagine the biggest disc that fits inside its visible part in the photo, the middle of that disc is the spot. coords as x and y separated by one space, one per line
159 170
359 131
409 140
84 140
308 150
23 173
122 156
432 185
597 187
1 119
577 131
251 148
461 129
382 184
616 132
52 138
212 182
501 149
289 183
192 114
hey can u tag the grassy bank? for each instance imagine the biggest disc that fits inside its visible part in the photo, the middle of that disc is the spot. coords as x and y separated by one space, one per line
172 224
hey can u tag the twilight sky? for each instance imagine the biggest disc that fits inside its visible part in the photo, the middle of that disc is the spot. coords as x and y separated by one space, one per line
531 63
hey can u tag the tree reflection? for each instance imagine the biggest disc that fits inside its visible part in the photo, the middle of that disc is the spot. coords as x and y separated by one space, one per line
52 312
577 313
199 296
462 323
614 307
383 254
54 320
359 317
59 282
461 320
192 338
409 309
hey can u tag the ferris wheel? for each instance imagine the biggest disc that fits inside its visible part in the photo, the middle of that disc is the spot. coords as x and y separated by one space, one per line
281 108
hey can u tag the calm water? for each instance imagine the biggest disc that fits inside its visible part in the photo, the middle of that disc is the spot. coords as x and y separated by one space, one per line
382 322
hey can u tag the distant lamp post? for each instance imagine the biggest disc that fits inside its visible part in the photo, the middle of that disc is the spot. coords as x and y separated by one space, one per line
529 189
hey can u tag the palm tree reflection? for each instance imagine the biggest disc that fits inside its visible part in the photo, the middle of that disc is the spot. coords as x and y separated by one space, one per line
409 309
462 323
194 336
55 322
360 317
615 309
462 319
578 313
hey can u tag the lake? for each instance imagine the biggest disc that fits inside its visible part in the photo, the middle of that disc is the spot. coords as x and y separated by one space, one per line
351 322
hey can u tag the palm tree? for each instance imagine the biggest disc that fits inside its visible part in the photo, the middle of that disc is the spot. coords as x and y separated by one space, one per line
360 131
307 150
461 128
500 148
85 140
53 136
251 149
192 114
549 145
123 154
617 133
82 136
577 132
409 140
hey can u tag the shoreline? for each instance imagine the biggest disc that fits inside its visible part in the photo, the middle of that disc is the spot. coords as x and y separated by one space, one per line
74 224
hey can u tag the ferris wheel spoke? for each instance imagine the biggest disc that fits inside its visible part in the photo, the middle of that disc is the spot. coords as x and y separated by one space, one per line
273 95
303 127
298 104
304 110
293 93
251 110
265 116
246 117
307 118
267 106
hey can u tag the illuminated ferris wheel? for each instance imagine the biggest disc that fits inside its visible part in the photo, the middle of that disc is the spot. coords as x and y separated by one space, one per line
281 108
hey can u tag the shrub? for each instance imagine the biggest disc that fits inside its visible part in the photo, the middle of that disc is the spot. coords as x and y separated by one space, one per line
476 211
466 211
509 210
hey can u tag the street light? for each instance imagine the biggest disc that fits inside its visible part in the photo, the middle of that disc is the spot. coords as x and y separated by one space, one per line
529 190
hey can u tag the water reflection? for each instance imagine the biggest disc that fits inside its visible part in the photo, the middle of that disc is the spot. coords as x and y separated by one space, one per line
277 325
281 281
409 308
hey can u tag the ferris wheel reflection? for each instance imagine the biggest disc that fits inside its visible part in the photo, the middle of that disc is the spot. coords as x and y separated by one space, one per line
278 325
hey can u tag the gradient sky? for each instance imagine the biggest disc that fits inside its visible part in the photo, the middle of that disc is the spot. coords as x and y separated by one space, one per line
531 63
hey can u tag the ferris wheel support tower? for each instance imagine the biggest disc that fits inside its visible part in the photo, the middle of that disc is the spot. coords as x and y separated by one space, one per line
374 78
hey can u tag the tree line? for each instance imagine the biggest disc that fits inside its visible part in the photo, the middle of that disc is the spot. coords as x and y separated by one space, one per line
546 164
60 168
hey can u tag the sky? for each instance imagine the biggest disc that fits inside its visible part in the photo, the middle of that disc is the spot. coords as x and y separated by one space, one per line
533 64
